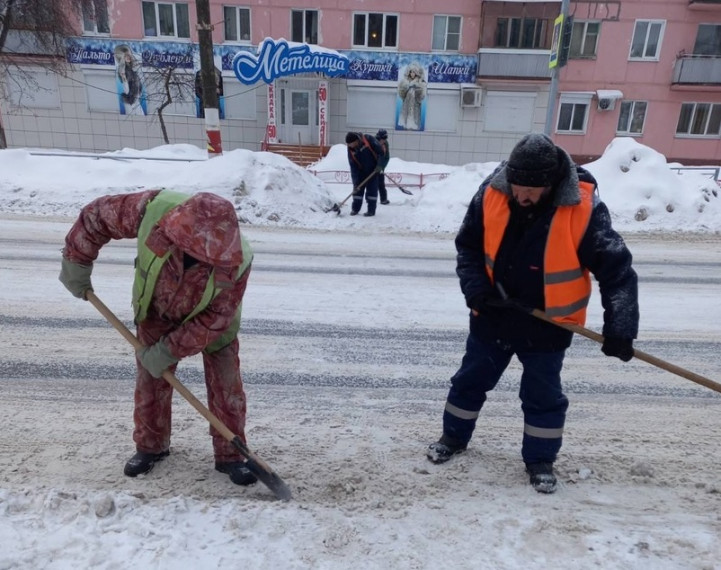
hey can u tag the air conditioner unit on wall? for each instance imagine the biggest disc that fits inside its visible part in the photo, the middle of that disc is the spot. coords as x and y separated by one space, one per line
607 98
606 104
470 97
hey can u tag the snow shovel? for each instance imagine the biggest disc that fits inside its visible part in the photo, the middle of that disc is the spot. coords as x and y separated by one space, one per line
398 185
336 207
702 380
254 463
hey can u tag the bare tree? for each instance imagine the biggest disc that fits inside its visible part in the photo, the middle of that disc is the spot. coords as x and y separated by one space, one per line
34 31
169 83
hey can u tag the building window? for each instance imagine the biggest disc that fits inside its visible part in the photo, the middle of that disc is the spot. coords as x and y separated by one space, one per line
161 19
573 112
631 117
584 39
708 40
699 119
446 33
304 26
236 22
526 33
95 17
646 42
375 30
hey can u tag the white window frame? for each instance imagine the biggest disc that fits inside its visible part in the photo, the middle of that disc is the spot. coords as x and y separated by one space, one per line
236 10
584 37
88 13
651 23
713 108
633 107
156 6
445 19
580 102
305 33
367 15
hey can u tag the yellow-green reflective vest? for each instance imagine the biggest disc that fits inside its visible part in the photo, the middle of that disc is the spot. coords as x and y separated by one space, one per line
148 266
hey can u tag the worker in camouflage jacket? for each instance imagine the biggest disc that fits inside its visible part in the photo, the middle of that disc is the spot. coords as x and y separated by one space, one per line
191 273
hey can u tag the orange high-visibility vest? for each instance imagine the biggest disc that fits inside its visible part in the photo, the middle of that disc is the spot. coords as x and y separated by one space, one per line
567 285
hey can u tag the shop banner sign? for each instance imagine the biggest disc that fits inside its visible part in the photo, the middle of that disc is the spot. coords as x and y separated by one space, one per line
278 58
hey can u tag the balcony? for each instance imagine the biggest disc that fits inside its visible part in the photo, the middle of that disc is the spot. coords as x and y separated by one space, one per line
704 4
498 63
697 70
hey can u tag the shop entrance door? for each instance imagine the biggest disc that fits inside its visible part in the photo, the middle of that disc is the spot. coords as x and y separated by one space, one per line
301 116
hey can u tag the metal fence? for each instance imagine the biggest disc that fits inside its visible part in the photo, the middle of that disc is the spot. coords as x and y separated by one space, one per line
405 178
712 172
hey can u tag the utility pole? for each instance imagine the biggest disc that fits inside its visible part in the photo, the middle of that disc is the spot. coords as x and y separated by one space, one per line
555 70
207 74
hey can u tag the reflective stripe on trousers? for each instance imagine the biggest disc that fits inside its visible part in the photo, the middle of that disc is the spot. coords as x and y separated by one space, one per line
543 403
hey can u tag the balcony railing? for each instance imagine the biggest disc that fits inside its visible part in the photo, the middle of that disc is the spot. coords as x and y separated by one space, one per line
513 63
697 70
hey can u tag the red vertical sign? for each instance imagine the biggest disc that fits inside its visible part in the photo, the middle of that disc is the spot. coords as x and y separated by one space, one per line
322 112
270 129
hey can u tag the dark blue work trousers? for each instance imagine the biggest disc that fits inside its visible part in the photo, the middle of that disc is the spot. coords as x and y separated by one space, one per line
542 400
371 193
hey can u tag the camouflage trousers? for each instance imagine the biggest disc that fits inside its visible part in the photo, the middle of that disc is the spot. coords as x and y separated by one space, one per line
226 399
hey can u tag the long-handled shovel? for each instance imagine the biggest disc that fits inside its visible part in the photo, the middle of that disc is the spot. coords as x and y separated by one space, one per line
254 463
336 207
702 380
398 185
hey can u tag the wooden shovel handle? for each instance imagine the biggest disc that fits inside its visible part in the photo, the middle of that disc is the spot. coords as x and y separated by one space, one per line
697 378
255 463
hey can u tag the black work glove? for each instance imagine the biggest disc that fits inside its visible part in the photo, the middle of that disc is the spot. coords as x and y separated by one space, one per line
619 347
486 303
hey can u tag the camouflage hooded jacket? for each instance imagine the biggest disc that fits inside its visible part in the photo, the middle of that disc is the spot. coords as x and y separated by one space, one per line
203 230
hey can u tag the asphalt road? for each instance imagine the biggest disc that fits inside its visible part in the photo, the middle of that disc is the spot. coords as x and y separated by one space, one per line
346 310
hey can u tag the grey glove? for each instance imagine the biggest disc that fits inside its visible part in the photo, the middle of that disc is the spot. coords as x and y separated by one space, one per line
76 277
156 358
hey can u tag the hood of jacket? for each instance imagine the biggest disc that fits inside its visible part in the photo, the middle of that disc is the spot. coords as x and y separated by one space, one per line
205 227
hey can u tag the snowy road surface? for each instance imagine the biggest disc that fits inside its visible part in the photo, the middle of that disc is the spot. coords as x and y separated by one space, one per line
347 345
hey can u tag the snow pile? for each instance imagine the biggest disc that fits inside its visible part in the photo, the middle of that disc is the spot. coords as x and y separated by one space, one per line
652 194
637 184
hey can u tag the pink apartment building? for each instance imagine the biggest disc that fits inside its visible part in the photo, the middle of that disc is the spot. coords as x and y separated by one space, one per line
453 82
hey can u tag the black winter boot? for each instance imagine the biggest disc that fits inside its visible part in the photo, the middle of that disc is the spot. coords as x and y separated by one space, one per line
367 214
444 449
238 472
143 463
541 476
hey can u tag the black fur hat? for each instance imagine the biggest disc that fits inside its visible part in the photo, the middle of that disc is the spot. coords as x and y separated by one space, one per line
382 134
534 161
